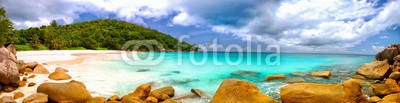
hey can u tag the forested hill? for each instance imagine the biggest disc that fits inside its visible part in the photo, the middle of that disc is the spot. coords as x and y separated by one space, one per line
95 34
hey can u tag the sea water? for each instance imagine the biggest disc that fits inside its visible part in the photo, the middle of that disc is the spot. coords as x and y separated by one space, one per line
179 70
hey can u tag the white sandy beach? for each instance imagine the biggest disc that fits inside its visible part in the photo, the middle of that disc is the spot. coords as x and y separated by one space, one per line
69 59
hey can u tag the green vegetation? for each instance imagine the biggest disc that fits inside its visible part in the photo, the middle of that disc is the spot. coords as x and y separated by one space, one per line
104 34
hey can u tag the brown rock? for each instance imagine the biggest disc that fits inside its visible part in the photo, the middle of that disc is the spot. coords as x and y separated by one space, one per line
200 93
239 91
185 96
356 76
32 76
59 76
36 98
40 69
12 49
113 98
395 75
7 99
151 99
164 97
18 95
324 74
9 72
375 99
8 88
72 91
132 100
294 80
59 69
348 92
31 84
274 77
391 98
388 53
96 100
390 86
31 64
5 54
21 83
375 70
21 69
169 101
170 91
28 70
25 79
141 91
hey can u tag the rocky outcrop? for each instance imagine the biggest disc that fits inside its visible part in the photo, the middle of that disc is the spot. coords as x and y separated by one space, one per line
391 98
36 98
389 53
324 74
59 76
12 49
8 72
375 70
96 100
275 77
239 91
348 92
5 54
72 91
170 91
140 92
40 69
390 86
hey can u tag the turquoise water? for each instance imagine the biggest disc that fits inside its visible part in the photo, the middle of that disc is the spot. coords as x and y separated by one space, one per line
177 70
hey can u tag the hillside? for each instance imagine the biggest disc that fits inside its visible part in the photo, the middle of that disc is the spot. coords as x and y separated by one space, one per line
95 34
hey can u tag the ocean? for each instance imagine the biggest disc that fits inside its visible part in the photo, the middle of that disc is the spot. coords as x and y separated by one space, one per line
206 71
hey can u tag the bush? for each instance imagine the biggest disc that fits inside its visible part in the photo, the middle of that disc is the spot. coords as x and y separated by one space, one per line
23 47
76 48
101 49
42 47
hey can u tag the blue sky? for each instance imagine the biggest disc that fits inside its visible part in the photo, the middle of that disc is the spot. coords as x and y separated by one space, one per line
299 26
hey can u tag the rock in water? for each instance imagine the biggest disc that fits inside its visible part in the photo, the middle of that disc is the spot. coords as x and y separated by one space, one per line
200 93
170 91
348 92
59 76
72 91
375 69
9 72
7 99
40 69
239 91
324 74
294 80
275 77
36 98
140 92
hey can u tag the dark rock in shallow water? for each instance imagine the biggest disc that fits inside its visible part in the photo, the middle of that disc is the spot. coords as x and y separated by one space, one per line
143 70
295 80
176 72
247 75
184 81
300 74
200 93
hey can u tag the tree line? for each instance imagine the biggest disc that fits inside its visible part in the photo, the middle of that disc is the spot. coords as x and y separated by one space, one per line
95 34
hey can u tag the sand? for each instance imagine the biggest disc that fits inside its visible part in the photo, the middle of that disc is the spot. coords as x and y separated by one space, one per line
60 58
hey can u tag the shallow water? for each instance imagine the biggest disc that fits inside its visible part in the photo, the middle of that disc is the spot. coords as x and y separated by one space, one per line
176 69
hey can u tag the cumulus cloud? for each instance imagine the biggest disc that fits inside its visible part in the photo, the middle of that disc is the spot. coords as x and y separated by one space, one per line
377 48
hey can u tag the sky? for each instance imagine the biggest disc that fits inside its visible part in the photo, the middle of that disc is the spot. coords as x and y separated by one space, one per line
296 26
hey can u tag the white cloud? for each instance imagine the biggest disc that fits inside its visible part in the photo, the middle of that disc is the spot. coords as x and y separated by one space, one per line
377 48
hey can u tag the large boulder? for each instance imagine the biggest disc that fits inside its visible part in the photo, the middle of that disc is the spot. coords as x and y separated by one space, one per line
40 69
59 76
388 53
36 98
72 91
5 54
348 92
375 69
12 49
390 86
324 74
239 91
9 73
391 98
140 92
170 91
